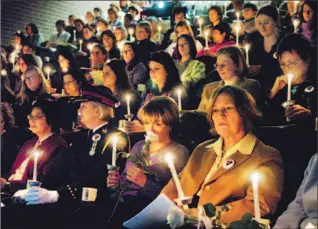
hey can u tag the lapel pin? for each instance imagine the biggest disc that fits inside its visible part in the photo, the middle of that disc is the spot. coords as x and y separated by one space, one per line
228 164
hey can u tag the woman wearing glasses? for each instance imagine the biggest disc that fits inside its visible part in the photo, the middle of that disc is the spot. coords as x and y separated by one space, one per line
219 172
232 69
34 87
44 124
294 58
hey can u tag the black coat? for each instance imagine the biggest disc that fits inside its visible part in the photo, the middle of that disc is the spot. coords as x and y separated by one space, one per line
80 169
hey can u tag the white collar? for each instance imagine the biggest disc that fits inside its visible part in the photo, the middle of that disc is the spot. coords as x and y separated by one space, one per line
95 129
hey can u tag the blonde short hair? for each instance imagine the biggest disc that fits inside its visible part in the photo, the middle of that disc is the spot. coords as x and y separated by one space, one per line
106 113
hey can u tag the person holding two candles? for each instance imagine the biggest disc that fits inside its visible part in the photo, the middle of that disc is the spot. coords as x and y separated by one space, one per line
295 60
219 172
83 165
160 118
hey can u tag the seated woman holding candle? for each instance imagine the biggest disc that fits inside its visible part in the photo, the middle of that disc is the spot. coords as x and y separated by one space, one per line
221 38
308 21
89 40
294 57
33 34
165 81
109 41
83 165
79 25
190 70
34 87
160 118
219 172
43 123
116 79
303 210
183 27
232 69
264 65
136 71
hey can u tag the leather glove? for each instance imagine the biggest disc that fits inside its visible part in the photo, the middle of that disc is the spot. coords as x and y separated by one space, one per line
37 195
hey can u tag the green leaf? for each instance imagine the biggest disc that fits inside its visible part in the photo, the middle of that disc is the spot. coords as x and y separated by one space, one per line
210 210
247 217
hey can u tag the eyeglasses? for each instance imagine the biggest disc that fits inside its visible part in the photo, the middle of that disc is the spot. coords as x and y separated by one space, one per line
68 82
223 111
220 65
29 78
36 117
126 51
290 64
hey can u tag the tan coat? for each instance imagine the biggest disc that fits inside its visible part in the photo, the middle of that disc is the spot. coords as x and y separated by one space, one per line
233 186
250 85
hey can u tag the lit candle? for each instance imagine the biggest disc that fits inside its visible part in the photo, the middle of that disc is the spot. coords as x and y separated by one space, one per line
290 77
114 140
131 32
159 31
206 34
238 16
247 47
225 5
128 104
237 28
90 46
48 70
36 155
17 48
179 92
200 21
255 181
80 43
174 174
296 23
74 33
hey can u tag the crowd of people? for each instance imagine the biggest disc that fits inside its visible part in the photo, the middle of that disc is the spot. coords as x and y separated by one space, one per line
101 102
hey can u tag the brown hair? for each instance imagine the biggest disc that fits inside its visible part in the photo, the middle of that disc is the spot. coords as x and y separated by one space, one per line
164 108
7 115
244 103
238 59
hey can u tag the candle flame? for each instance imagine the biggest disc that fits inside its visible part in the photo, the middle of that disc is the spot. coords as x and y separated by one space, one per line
296 22
200 20
247 46
3 72
36 153
290 76
81 41
238 15
127 97
255 177
168 157
48 70
237 28
90 46
131 31
115 139
179 91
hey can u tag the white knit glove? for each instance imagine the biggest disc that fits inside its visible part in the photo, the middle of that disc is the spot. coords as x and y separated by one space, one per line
37 195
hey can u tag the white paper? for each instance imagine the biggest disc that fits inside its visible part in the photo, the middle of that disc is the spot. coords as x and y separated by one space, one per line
310 226
153 216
